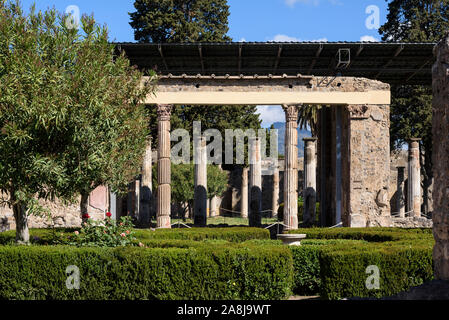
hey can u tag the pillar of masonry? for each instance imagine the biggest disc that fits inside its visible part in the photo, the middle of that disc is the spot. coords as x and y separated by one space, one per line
200 197
414 179
163 168
275 196
291 168
244 196
400 196
309 194
440 133
255 183
146 187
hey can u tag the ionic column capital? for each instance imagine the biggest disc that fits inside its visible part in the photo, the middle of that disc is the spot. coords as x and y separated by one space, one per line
291 112
164 112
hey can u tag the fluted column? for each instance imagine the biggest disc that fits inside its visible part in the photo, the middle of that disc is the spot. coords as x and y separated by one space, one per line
146 187
255 183
275 196
414 179
244 196
400 196
310 165
164 169
200 198
291 168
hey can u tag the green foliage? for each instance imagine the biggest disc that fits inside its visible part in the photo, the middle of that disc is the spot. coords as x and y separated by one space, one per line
180 21
335 261
237 234
106 233
217 181
63 236
411 106
207 272
71 116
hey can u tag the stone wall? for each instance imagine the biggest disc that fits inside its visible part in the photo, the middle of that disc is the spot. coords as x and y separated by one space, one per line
62 215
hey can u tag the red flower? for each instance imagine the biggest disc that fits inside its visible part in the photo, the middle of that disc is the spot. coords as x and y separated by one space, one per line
108 214
86 216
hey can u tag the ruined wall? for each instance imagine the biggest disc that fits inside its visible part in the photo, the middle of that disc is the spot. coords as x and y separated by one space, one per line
440 132
369 157
62 215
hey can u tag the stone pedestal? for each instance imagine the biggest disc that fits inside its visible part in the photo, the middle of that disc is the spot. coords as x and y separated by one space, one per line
440 131
255 183
414 179
200 200
309 193
400 195
244 196
291 168
146 193
164 167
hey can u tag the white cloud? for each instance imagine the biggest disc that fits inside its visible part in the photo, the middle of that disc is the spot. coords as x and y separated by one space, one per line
242 40
286 38
270 115
369 38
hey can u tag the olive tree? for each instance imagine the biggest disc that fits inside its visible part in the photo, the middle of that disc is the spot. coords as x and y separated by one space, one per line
71 114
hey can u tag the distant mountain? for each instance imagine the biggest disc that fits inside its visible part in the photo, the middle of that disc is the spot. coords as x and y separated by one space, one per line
280 126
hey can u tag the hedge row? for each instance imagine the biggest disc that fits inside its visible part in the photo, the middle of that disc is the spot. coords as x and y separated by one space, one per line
333 265
217 272
237 234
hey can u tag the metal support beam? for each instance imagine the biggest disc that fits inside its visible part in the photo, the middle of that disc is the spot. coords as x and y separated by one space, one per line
396 53
200 50
162 56
419 69
276 64
317 55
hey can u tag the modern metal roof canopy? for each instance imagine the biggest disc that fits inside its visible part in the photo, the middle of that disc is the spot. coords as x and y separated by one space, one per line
393 63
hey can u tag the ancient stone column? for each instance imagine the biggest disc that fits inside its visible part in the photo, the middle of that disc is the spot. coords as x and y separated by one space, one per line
440 132
146 187
200 198
213 206
164 169
291 168
255 183
275 196
310 166
414 179
244 196
400 196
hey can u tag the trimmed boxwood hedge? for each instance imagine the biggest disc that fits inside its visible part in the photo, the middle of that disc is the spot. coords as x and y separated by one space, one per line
237 234
201 272
333 265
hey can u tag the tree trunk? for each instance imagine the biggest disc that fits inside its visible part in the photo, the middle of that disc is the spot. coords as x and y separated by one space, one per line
21 217
84 204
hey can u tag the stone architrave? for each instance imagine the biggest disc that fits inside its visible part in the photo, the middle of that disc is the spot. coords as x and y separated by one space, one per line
146 188
255 183
440 132
400 196
200 198
309 194
275 196
164 167
414 179
291 168
244 196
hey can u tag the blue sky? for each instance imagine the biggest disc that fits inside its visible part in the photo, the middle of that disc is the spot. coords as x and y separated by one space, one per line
256 20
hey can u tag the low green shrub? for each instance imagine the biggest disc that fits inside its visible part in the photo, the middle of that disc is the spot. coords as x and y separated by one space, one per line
61 236
344 273
203 271
237 234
